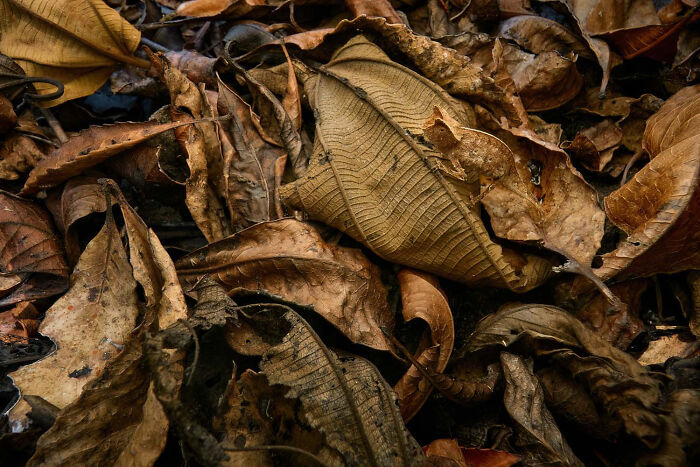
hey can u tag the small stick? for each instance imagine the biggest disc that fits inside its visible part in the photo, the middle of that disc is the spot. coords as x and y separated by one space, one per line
54 124
278 448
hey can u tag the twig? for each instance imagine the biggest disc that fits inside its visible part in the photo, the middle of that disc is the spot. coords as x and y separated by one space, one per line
278 448
629 165
54 124
195 360
155 45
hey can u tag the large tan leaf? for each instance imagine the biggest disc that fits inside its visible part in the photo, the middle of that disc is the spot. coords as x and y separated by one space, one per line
77 42
345 397
422 298
90 323
290 259
659 207
374 179
32 262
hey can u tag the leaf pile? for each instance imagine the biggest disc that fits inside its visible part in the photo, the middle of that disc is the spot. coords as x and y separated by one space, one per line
386 232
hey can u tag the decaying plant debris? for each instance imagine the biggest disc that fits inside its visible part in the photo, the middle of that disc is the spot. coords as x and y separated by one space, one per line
360 232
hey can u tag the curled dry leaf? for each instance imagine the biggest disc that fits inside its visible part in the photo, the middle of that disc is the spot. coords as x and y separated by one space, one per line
422 298
374 179
253 170
538 34
619 327
32 262
380 8
290 259
569 400
344 397
658 208
200 142
19 323
466 457
241 417
538 435
594 146
90 324
614 379
43 37
543 198
18 155
544 81
89 148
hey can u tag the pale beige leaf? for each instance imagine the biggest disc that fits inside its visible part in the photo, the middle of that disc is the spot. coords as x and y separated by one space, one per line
45 38
376 181
90 323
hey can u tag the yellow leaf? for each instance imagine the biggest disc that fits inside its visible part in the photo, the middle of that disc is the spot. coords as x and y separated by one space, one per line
77 42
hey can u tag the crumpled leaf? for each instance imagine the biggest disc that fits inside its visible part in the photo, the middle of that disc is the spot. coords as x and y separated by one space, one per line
127 424
594 146
570 401
538 34
666 347
544 81
467 457
89 148
200 142
344 397
32 262
46 41
243 420
253 170
290 259
19 323
380 8
543 198
616 382
18 155
90 324
368 185
538 435
619 327
422 298
658 208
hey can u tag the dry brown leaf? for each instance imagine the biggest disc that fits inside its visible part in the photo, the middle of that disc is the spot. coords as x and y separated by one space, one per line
18 155
204 8
374 179
241 417
32 262
510 8
290 259
422 298
543 198
676 120
624 389
253 171
205 184
667 347
344 397
538 34
544 81
90 324
45 39
89 148
468 457
594 146
538 437
569 400
19 323
658 208
8 119
619 327
380 8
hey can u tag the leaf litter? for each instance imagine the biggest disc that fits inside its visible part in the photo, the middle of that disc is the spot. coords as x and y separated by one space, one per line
330 233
